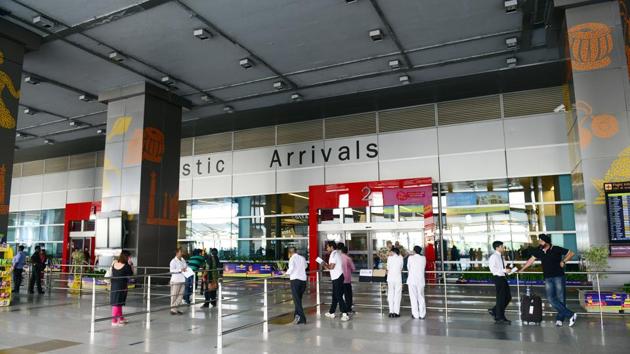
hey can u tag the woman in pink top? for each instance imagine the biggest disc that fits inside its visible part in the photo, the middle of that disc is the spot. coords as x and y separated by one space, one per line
348 268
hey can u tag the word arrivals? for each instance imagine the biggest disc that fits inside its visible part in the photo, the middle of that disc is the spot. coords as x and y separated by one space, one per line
343 153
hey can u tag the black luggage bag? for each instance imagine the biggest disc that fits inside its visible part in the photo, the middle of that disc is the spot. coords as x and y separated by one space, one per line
531 309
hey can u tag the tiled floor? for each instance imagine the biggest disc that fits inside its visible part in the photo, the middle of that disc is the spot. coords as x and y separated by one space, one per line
59 323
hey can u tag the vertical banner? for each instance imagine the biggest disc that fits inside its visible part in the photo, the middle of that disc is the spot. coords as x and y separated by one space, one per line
11 55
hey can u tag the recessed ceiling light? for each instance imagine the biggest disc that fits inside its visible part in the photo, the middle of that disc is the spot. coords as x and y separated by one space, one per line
202 33
206 98
510 6
20 135
86 97
511 42
115 56
404 79
29 111
376 34
43 22
166 80
279 85
228 109
100 131
31 80
350 1
296 97
511 62
49 142
246 63
394 64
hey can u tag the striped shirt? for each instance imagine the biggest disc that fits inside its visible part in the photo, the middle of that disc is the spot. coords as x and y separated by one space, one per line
196 262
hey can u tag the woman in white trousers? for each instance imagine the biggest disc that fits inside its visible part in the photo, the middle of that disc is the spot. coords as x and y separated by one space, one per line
416 265
394 282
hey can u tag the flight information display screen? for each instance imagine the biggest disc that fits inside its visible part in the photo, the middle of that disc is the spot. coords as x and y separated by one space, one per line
618 208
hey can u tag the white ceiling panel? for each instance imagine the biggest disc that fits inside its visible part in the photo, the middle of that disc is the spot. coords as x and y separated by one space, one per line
72 12
296 34
163 36
27 120
65 63
427 22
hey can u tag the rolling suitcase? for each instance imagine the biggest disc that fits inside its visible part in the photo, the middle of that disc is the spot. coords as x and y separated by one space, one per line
531 309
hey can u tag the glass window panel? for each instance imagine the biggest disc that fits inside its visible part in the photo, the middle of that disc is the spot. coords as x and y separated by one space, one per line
27 235
52 216
258 205
184 229
294 203
329 216
207 229
278 249
221 208
382 214
30 218
543 217
51 233
185 209
13 219
11 234
547 189
411 212
355 215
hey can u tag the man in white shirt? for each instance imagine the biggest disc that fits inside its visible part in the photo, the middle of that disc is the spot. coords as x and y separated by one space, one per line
177 268
394 281
335 266
297 275
416 265
499 275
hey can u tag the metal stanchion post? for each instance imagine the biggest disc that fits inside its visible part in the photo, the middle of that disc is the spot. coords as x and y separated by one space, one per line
380 296
265 309
144 284
599 294
518 294
194 293
318 299
148 281
93 318
445 295
219 315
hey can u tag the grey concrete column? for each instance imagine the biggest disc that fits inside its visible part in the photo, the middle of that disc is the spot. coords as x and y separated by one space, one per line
13 43
601 127
141 168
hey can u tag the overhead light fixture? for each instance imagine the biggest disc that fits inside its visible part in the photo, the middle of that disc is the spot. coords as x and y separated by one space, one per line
279 85
376 34
510 6
29 111
350 1
31 80
511 62
296 97
560 108
511 42
246 63
43 22
394 64
100 131
116 56
75 123
202 33
86 97
404 79
20 135
166 80
228 109
49 142
206 98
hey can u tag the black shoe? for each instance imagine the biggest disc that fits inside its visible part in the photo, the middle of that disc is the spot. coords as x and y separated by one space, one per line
491 313
41 292
180 313
31 292
503 321
396 315
390 315
205 306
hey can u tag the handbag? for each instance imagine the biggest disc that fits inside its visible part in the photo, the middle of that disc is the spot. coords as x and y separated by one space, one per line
212 286
108 273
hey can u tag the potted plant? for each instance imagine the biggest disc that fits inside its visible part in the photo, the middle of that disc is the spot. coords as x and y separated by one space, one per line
596 259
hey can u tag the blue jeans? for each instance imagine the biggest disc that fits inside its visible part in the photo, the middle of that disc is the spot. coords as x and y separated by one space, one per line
188 289
555 287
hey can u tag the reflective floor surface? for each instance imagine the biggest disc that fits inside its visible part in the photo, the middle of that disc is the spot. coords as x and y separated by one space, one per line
60 323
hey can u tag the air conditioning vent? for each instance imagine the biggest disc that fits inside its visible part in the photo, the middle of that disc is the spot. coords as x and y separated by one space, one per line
299 132
529 102
57 164
469 110
406 118
81 161
351 125
253 138
213 143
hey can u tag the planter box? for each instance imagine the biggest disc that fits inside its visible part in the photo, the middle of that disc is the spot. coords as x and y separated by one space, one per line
611 301
522 282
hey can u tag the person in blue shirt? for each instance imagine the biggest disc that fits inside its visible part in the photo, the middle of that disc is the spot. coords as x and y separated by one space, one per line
19 260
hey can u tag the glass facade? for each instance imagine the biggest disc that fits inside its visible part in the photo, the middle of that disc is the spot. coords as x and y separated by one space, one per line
469 215
37 227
